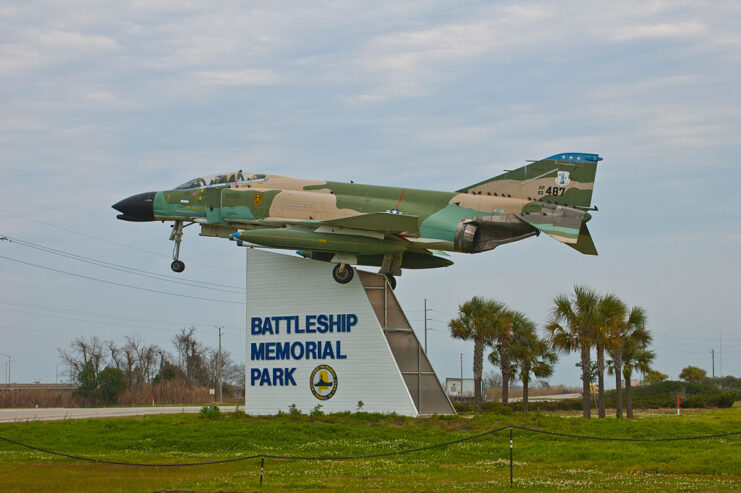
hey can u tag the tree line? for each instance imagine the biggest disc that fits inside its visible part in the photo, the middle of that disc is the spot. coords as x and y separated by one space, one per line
582 322
104 369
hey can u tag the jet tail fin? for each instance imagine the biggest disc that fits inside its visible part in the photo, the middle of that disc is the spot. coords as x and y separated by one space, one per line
565 179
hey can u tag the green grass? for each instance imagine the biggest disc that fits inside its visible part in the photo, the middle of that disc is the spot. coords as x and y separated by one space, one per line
541 462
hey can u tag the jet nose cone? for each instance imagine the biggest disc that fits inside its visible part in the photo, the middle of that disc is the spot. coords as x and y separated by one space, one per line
136 208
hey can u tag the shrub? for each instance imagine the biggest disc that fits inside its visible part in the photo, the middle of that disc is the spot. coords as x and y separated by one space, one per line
211 412
317 411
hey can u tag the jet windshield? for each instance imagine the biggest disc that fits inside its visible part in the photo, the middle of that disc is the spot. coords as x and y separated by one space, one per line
226 178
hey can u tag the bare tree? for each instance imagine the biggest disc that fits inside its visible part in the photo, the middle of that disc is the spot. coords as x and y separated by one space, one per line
114 354
143 357
80 352
191 356
492 380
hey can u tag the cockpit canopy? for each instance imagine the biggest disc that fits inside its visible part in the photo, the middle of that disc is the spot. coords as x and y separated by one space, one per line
222 179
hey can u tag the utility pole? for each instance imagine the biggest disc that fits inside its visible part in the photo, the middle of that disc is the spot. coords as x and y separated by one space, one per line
425 326
221 364
7 371
720 356
461 372
712 352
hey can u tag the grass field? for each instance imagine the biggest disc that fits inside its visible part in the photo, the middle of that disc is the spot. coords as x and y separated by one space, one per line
541 462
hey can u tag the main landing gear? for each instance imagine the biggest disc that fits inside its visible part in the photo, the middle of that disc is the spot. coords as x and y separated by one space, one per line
343 273
176 235
391 280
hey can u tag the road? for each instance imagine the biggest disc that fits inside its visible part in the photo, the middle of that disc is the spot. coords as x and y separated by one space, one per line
557 397
58 414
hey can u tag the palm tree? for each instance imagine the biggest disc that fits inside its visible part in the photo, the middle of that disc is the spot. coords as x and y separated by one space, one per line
512 326
478 319
610 314
534 356
571 328
631 328
636 356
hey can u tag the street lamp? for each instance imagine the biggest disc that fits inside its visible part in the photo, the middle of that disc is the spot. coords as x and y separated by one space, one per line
7 371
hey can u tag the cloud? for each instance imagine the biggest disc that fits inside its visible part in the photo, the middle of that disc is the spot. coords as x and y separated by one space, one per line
16 59
66 40
657 31
234 78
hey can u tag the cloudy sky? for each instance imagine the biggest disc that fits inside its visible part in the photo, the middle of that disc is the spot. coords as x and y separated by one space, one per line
101 100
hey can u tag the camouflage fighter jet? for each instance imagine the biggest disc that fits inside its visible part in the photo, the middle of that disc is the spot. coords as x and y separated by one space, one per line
392 228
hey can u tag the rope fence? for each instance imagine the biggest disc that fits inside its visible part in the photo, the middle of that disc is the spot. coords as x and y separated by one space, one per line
262 457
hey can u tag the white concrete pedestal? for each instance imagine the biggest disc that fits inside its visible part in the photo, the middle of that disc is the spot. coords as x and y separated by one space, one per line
312 341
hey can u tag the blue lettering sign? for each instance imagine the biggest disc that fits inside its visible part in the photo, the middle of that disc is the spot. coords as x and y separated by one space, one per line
352 321
339 351
297 350
257 351
254 375
283 351
277 377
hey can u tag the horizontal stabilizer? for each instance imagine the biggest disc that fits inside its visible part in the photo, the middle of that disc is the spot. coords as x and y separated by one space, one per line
561 224
584 243
383 222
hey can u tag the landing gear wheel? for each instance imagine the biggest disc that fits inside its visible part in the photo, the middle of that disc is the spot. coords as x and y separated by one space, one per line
392 280
177 266
343 273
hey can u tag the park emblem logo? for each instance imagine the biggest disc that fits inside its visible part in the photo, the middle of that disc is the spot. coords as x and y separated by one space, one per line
258 199
323 382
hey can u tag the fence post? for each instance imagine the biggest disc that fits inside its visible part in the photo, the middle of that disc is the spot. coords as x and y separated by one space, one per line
510 457
262 468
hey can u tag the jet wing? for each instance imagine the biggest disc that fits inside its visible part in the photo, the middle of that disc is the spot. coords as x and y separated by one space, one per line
382 222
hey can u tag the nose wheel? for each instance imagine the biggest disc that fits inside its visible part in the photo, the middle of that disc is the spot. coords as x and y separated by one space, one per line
176 235
343 273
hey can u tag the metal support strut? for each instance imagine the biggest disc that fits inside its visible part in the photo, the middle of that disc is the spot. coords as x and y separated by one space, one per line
177 236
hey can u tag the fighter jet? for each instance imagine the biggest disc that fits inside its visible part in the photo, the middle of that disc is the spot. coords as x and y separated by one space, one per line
391 228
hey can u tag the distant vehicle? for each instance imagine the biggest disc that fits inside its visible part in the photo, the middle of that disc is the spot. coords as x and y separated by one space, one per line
392 228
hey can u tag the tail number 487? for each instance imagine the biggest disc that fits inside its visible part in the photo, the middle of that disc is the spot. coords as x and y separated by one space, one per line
553 191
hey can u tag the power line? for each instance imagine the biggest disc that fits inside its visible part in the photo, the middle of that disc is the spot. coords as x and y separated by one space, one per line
119 283
123 268
96 238
104 323
71 311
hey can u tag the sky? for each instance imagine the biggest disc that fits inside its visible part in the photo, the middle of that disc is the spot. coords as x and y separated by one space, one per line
103 100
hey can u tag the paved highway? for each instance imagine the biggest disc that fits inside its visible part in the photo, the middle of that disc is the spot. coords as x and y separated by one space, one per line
57 414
